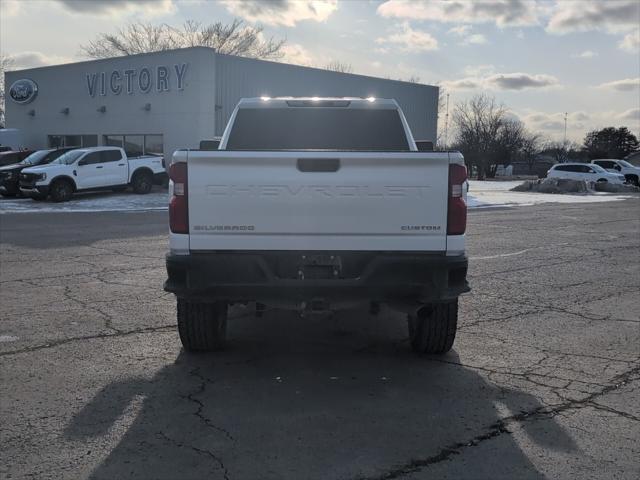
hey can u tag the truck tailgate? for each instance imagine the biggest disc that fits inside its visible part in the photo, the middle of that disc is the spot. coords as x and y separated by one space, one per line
317 200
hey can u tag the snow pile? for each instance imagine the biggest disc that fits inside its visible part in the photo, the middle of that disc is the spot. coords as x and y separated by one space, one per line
500 194
90 202
561 185
553 185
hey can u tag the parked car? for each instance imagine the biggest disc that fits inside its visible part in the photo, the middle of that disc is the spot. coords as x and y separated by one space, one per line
10 157
584 171
10 174
631 173
95 168
317 205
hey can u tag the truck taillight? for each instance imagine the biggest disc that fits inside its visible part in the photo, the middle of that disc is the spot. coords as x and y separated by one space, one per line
457 211
179 203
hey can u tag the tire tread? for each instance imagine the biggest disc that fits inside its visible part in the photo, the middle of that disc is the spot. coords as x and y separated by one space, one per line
201 326
433 329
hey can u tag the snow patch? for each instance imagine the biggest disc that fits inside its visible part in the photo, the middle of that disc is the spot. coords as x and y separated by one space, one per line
484 194
93 202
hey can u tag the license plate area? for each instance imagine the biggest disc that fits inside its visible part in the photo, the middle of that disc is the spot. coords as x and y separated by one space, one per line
319 266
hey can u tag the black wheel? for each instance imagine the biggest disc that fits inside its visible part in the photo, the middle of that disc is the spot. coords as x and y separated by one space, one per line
202 326
61 191
142 182
433 328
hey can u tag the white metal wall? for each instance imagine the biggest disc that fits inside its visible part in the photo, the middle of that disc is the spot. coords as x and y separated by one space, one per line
213 85
238 77
183 117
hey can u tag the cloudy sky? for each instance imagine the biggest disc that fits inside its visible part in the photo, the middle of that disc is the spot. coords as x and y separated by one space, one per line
540 58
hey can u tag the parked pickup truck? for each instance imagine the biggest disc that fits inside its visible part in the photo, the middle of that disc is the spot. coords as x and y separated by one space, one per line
316 205
95 168
10 174
631 173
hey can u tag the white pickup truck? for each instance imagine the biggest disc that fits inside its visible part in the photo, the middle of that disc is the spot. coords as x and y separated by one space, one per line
317 204
631 172
95 168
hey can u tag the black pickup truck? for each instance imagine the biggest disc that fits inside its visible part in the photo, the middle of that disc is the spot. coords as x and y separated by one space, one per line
10 174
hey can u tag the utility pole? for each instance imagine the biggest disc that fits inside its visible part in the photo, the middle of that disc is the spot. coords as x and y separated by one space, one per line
565 129
446 126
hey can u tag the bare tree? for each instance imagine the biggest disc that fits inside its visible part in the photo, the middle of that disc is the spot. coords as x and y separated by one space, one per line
531 147
6 62
234 38
338 66
558 150
509 143
478 122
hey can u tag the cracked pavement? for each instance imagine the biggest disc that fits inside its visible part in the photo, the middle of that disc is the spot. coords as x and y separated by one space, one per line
543 381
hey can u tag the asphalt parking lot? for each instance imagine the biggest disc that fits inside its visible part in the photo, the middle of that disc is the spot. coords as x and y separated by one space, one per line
543 382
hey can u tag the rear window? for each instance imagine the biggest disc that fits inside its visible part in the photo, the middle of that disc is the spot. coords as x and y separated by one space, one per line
317 128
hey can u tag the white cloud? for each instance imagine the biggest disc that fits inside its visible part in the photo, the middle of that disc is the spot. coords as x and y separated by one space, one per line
282 12
410 40
585 15
631 114
500 81
296 54
32 59
464 32
501 12
585 54
469 83
519 81
478 70
475 39
118 7
631 42
460 30
579 122
624 85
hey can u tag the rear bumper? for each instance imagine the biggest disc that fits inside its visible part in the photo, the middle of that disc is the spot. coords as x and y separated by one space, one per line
288 277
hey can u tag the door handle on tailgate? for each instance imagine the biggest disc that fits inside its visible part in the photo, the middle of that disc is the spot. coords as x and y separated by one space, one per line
318 164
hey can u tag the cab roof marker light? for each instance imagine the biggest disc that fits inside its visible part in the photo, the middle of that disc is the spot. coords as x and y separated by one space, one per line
265 99
371 99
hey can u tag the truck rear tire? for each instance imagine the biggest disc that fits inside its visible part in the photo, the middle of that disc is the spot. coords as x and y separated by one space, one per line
433 328
142 182
202 326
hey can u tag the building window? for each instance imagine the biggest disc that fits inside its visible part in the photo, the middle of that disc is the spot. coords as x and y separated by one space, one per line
137 145
134 145
153 145
57 141
113 140
89 140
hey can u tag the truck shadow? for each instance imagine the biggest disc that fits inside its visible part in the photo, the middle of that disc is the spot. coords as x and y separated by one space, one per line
311 398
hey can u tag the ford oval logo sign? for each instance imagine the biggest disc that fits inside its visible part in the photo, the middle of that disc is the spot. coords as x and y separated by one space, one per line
23 91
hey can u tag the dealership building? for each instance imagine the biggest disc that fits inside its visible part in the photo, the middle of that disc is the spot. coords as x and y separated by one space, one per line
158 102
